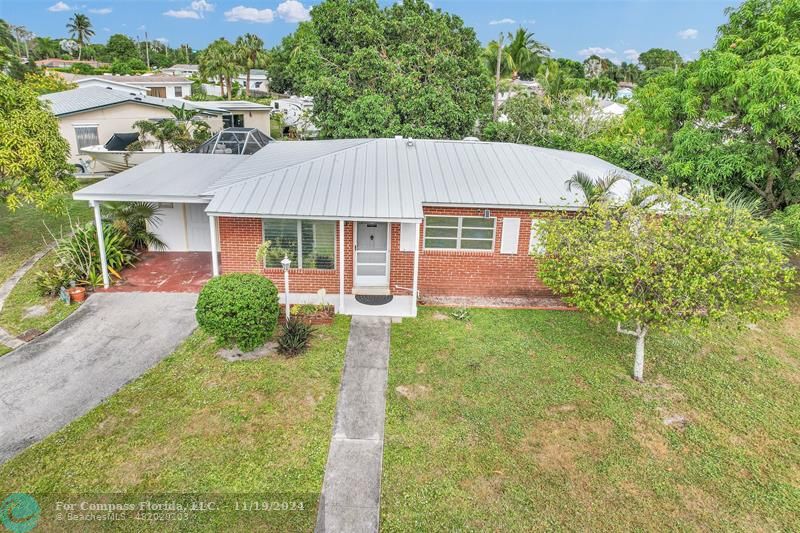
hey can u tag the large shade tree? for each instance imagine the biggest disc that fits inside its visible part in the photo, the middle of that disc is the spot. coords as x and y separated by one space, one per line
33 155
221 61
731 119
687 265
404 70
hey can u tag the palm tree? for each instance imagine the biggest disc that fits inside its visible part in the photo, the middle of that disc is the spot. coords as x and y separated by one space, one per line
135 219
184 132
524 52
219 61
250 49
80 29
44 47
594 190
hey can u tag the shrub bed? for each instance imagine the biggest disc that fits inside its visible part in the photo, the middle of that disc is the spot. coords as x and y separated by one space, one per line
239 310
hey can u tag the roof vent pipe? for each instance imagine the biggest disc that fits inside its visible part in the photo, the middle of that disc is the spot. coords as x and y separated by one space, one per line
410 142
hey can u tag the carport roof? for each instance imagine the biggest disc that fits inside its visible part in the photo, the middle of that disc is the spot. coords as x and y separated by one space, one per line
171 177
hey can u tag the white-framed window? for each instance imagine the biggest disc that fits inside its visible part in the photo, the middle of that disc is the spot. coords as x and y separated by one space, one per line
178 91
307 243
459 233
535 246
86 135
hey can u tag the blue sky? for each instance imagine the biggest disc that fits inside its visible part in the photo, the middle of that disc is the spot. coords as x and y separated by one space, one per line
617 29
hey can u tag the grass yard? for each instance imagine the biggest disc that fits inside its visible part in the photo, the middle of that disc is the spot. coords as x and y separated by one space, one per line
26 309
198 425
22 232
528 420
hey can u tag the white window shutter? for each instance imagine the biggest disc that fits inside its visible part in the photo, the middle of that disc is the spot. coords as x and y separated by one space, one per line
510 240
407 237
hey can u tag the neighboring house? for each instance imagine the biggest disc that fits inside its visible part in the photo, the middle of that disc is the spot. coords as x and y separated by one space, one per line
296 112
67 63
182 70
625 90
395 217
259 84
611 108
160 86
90 115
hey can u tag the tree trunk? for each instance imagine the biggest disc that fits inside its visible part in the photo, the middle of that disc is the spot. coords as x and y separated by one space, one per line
497 77
80 50
222 86
247 87
638 363
230 87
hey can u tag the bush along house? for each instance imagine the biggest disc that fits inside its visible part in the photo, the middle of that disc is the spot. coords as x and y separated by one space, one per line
370 221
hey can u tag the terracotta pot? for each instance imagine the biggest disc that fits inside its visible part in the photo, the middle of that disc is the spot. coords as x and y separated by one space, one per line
77 294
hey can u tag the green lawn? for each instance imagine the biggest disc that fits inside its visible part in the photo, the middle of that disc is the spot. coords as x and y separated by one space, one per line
528 420
198 425
16 315
23 232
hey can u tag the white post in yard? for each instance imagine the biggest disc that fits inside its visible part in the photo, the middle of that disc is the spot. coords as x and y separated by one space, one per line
341 266
416 271
285 264
98 221
212 222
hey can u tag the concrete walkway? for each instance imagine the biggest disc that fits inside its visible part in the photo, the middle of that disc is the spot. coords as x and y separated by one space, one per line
5 289
351 492
110 340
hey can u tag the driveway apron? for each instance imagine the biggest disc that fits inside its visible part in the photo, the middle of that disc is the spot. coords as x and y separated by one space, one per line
111 340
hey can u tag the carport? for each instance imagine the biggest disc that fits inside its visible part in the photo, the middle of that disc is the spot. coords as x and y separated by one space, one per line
184 225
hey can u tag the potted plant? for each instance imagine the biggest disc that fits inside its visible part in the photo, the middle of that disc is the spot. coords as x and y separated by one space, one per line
76 293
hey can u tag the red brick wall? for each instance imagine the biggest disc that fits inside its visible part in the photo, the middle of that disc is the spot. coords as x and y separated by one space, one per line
470 273
239 239
441 272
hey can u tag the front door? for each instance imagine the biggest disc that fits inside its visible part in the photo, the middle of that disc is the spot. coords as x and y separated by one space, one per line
372 254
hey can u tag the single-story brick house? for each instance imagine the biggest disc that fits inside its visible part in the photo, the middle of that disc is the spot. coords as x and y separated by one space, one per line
396 217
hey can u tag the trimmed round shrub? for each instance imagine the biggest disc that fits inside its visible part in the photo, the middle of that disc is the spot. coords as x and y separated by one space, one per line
239 310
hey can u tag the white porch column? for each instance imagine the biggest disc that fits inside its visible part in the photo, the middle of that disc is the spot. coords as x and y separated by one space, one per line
212 223
416 271
101 243
341 266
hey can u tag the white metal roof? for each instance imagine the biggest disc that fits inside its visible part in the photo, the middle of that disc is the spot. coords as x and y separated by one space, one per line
393 178
93 97
171 177
388 179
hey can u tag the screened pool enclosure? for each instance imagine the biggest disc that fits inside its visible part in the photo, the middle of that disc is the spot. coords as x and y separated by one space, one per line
238 141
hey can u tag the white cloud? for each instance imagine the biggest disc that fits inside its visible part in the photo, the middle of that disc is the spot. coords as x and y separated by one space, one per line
502 21
107 29
59 6
249 14
100 11
202 5
596 51
162 40
293 11
632 55
182 14
688 33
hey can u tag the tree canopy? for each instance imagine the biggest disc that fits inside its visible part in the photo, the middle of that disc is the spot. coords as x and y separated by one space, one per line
33 155
660 58
691 264
731 119
404 70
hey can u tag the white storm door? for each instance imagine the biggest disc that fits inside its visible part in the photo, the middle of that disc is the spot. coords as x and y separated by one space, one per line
372 254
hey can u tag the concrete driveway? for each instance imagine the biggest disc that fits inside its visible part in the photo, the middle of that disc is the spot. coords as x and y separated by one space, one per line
112 339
